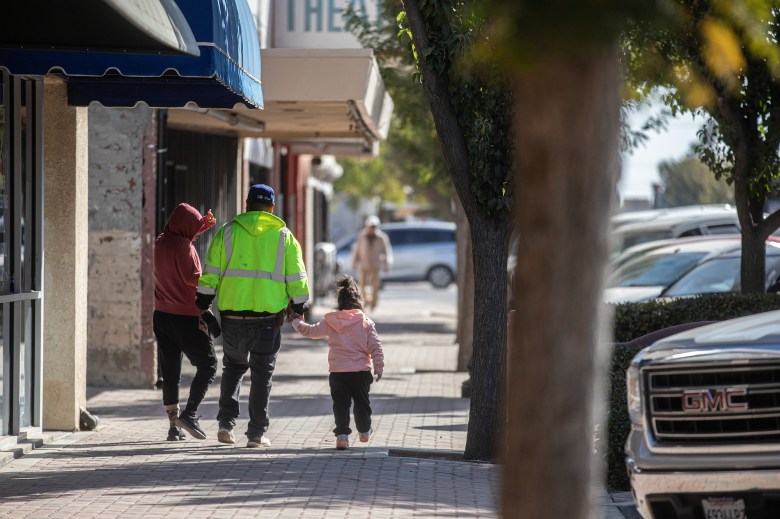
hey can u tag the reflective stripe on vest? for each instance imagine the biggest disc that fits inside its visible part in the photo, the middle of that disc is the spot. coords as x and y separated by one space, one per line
277 275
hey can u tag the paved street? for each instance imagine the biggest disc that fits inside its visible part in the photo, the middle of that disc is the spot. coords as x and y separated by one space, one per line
126 469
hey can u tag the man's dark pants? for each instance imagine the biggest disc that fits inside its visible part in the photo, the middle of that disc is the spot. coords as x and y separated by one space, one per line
177 335
248 343
346 388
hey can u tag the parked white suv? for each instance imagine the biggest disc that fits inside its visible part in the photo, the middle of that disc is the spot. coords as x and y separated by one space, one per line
699 221
422 251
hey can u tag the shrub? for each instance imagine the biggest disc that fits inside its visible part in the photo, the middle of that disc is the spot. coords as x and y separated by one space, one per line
631 322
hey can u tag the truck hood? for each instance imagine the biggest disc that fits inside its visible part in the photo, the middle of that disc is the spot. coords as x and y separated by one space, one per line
754 337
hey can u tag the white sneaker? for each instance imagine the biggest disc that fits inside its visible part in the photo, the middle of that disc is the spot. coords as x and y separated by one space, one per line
225 435
258 441
342 442
364 436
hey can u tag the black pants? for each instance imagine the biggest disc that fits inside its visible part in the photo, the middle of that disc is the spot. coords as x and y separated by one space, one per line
177 335
346 388
248 344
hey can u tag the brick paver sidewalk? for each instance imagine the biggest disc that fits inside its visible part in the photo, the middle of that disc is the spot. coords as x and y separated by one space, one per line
126 469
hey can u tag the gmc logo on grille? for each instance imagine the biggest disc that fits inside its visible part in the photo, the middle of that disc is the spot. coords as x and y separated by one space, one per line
703 400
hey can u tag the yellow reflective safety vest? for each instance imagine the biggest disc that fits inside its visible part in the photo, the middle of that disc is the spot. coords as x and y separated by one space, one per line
254 263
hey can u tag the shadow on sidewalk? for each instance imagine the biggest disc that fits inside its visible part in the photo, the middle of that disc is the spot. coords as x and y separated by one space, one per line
268 478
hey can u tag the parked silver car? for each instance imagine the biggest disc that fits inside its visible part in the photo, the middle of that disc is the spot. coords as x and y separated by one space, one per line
647 275
721 274
422 251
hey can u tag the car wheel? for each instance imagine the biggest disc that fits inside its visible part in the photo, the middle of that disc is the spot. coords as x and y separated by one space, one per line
440 276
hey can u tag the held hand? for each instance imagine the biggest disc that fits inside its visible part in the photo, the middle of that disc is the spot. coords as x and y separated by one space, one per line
378 377
209 320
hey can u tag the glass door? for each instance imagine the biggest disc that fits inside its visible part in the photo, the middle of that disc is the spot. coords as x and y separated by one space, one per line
21 252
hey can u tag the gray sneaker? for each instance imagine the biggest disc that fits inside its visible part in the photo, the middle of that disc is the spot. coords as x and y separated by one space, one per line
258 441
225 435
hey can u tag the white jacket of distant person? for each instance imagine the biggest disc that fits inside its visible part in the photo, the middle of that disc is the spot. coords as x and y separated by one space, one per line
372 249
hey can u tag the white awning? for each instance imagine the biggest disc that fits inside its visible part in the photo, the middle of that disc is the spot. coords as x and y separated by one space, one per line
317 98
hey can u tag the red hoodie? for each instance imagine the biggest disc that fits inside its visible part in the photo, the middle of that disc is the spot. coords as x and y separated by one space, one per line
176 262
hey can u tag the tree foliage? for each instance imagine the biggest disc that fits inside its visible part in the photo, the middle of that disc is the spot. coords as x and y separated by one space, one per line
411 155
720 59
369 178
479 91
690 182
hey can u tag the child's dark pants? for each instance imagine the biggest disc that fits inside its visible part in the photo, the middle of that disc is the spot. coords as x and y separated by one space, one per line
346 388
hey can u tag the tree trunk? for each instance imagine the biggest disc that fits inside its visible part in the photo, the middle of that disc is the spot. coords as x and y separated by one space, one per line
490 241
464 336
566 145
752 265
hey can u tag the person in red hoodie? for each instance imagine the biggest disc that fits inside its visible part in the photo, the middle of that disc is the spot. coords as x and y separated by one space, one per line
353 348
179 325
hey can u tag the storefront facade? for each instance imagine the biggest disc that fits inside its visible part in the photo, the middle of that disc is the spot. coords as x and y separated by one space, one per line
44 170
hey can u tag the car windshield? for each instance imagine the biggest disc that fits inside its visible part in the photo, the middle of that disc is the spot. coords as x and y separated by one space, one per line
717 275
655 269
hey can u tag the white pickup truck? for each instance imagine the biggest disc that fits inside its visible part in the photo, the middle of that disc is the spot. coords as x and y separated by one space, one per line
705 412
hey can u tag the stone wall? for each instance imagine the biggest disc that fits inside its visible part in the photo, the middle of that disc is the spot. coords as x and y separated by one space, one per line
120 340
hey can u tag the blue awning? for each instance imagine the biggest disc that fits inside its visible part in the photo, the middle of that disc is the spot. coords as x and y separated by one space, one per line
142 26
226 73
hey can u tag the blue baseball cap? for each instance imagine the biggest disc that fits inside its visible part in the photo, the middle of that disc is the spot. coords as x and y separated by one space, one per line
261 193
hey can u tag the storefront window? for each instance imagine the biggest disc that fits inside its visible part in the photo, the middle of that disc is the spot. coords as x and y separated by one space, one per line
26 363
4 409
4 285
21 177
4 364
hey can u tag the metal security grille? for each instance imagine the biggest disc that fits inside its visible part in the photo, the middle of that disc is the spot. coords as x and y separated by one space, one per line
716 404
200 169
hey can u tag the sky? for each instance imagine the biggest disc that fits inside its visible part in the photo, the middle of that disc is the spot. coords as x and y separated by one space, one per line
640 167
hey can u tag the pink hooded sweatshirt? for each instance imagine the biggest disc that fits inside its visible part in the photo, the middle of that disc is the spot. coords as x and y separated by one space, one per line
352 341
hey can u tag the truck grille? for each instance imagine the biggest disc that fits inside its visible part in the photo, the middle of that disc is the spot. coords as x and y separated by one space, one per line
716 404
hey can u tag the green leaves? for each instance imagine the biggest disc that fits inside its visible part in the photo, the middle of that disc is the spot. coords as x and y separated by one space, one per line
480 96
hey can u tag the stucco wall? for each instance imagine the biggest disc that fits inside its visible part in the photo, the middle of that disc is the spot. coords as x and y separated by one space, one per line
120 351
65 262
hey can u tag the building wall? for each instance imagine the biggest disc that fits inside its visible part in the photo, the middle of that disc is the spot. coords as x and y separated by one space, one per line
121 233
65 263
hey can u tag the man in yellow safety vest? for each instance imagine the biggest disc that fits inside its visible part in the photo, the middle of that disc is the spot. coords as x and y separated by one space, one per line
254 267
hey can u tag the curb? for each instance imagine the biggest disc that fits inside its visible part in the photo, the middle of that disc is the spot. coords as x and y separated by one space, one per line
432 454
16 447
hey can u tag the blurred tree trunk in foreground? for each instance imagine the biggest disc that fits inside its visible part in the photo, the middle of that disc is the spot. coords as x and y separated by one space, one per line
566 143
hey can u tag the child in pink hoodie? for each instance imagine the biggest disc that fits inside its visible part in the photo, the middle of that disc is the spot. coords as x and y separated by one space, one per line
353 345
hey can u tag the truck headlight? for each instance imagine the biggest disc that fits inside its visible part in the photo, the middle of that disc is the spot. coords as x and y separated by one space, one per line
633 395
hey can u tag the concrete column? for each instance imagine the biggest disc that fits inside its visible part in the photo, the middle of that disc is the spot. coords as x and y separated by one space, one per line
65 259
121 238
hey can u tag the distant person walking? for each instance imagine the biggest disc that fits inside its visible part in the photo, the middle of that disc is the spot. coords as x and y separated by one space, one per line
353 346
179 325
372 253
255 268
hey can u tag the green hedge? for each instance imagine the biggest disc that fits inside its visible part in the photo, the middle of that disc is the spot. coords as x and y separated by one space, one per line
633 320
